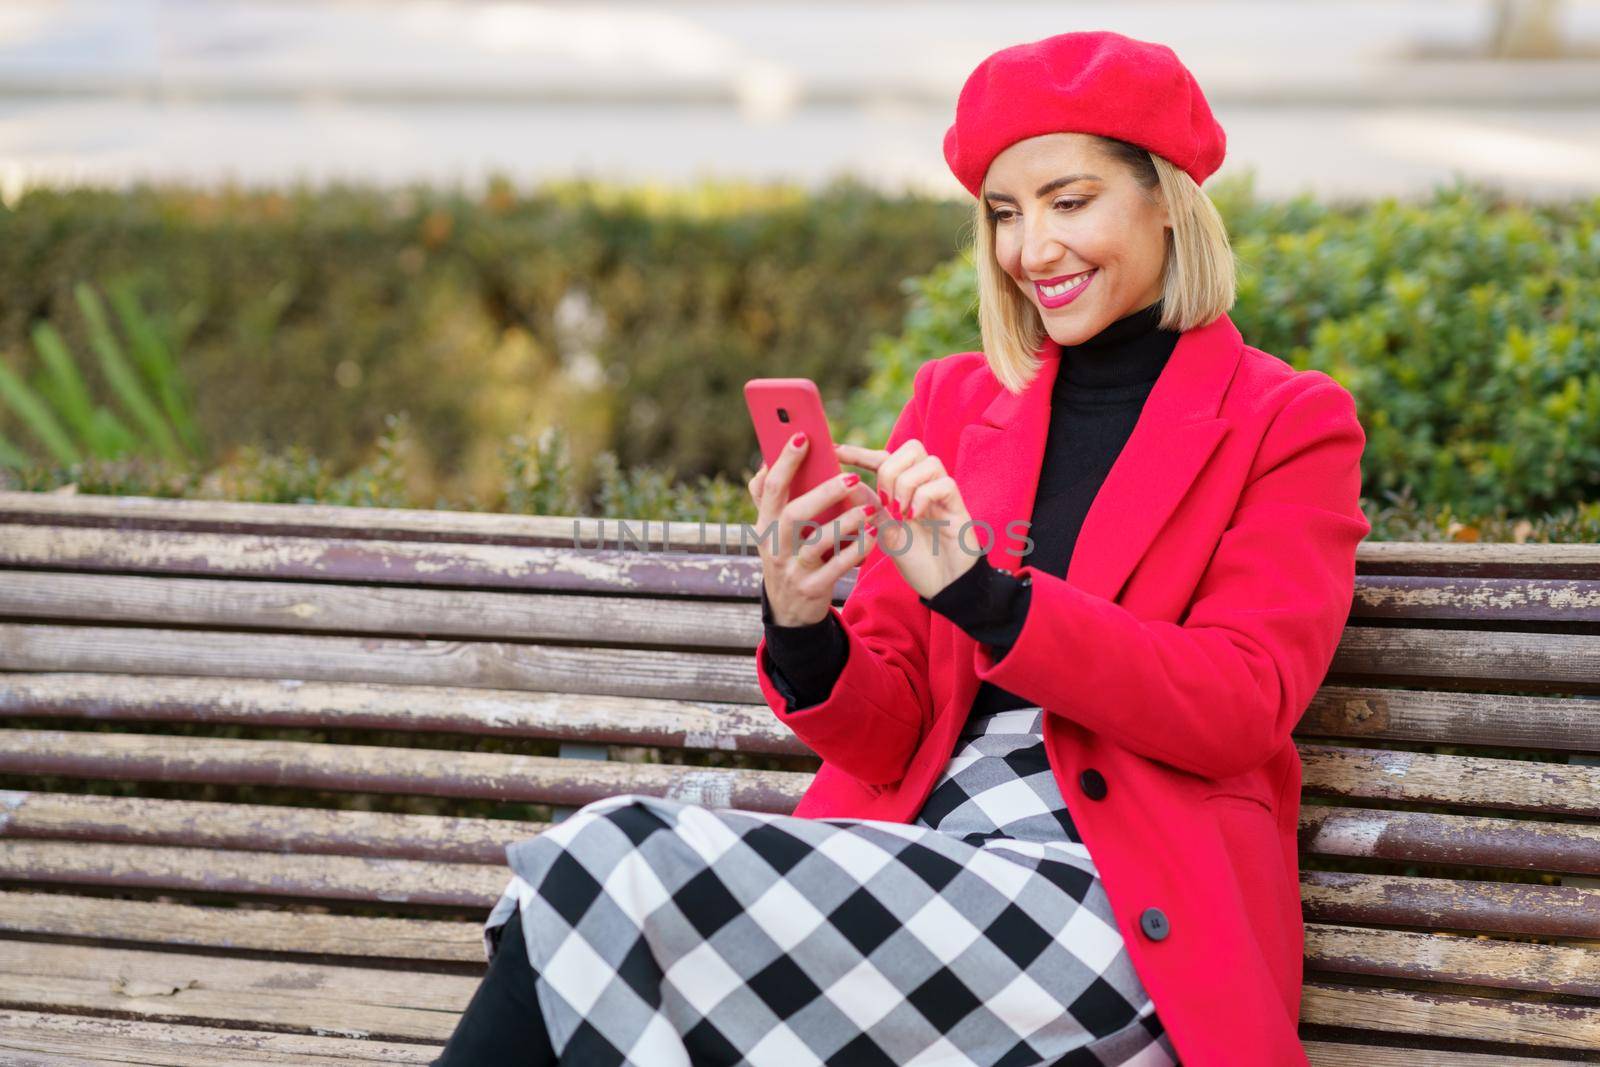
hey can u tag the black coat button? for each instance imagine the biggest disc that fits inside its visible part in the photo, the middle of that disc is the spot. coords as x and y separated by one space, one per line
1093 783
1154 923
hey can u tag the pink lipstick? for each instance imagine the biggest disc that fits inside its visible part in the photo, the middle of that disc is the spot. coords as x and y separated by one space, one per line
1062 299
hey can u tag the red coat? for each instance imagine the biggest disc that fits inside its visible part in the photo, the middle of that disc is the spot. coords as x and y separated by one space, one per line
1175 665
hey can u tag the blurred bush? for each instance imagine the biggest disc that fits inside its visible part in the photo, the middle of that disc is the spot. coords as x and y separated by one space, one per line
582 350
631 317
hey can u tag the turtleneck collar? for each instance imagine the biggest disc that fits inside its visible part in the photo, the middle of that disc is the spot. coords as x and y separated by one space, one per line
1129 352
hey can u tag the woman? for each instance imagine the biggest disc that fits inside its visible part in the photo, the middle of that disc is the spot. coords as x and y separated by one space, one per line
1137 652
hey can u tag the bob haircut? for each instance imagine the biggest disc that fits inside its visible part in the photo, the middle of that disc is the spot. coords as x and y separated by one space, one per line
1198 279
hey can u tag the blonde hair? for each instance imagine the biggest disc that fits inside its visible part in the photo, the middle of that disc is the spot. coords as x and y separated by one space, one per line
1198 278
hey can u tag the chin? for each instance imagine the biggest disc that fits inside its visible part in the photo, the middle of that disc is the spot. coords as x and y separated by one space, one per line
1064 332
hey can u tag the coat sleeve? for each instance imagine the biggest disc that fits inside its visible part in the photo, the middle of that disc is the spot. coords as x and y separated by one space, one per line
1218 693
871 722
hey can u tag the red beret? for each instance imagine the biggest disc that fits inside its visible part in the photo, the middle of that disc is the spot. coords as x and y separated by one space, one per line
1094 81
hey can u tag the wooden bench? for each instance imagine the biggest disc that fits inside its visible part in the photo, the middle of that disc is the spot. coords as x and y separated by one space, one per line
261 762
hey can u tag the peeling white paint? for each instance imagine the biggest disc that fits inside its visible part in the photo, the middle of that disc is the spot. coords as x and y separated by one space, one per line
712 789
1396 764
10 801
1351 834
710 739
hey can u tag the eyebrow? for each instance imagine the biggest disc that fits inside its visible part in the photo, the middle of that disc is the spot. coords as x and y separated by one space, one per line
1049 186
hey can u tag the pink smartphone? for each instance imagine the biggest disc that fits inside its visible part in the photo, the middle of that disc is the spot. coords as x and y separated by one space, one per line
783 407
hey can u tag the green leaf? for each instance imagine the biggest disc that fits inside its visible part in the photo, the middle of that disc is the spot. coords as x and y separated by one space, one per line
36 415
155 358
124 382
65 385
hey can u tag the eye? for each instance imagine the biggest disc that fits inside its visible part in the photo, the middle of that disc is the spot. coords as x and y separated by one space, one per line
999 215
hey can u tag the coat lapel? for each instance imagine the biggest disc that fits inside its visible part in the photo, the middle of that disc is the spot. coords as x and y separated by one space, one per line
998 458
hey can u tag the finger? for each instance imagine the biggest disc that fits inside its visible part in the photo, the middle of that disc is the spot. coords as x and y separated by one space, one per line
915 477
823 579
863 495
821 496
836 536
893 468
757 483
775 493
937 498
857 456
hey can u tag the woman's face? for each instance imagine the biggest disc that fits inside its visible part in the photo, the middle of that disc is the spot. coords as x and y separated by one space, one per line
1065 210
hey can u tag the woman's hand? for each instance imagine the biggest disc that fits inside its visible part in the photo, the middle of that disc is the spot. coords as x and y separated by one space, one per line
926 544
798 577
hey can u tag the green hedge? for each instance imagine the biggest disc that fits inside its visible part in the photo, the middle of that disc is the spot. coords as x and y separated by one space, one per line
630 316
1467 329
417 347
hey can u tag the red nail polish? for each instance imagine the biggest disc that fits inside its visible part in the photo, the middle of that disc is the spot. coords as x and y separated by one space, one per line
851 479
799 439
911 511
869 511
883 498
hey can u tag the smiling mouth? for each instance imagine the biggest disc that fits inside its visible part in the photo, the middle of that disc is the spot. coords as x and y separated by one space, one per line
1063 292
1071 283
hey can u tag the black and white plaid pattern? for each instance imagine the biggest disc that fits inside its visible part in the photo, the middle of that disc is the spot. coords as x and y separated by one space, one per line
669 934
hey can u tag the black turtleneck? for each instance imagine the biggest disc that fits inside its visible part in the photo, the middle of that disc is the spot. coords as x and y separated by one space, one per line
1095 401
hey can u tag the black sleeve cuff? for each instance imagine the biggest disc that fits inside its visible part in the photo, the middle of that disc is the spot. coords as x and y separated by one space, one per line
987 602
805 661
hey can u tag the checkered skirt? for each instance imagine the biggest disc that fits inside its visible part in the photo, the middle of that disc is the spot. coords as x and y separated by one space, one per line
669 934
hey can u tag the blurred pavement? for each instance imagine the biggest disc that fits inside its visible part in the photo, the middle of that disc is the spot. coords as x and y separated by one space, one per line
1331 97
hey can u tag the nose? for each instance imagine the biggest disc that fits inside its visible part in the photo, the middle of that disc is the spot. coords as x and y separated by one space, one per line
1041 249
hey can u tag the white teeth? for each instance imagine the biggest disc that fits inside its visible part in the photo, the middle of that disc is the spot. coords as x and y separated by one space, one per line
1057 290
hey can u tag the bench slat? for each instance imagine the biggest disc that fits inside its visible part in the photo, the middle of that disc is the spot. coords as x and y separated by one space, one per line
354 878
1572 789
1451 904
1501 720
184 987
373 769
1399 1011
97 511
1328 896
1426 837
1331 1054
714 726
317 520
388 659
258 827
36 1039
636 571
255 929
1399 836
1467 781
1497 600
1433 957
1363 713
229 603
1474 961
329 608
179 987
1494 658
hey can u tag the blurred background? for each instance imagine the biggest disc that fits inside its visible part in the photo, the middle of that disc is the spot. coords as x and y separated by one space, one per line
522 256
